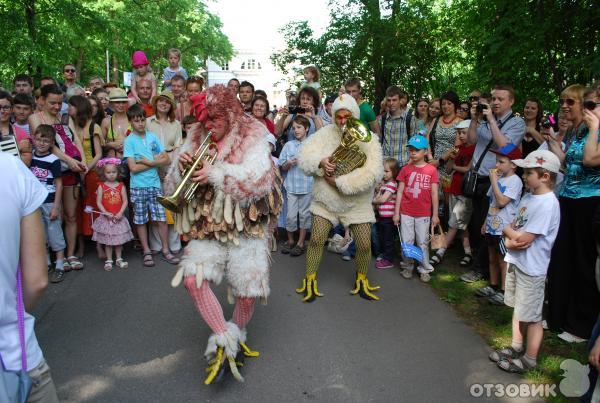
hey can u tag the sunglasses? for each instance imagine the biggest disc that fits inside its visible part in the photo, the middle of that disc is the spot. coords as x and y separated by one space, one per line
70 70
473 98
568 101
464 109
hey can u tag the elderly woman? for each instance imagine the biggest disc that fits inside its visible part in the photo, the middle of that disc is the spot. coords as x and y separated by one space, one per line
340 198
260 110
308 99
573 297
168 131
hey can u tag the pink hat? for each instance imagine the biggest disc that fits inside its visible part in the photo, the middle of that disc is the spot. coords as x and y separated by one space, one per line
139 58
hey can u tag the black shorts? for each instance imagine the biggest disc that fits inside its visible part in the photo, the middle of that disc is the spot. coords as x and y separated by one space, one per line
496 242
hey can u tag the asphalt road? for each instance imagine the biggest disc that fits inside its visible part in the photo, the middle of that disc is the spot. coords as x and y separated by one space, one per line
127 336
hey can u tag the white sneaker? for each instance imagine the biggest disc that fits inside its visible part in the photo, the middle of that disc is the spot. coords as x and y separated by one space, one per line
571 338
425 277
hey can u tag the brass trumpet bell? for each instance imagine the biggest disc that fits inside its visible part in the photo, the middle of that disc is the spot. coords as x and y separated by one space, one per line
184 194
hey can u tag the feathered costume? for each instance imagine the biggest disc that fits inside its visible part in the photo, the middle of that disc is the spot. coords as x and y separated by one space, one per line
226 224
349 202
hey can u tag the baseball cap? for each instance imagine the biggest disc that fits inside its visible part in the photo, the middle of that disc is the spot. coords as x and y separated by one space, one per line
419 142
463 124
540 159
510 150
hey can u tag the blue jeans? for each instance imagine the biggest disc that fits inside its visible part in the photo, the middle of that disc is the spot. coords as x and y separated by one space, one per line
375 244
387 229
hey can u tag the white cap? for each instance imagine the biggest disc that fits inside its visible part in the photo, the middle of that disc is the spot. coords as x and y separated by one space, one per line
347 102
271 139
540 159
463 124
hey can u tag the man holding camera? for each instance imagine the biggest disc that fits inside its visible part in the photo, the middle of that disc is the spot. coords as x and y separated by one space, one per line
497 127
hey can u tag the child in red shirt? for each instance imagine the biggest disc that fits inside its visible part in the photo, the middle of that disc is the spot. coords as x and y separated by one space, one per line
461 207
417 199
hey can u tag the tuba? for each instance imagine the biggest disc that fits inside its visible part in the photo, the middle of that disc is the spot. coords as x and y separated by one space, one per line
348 156
186 190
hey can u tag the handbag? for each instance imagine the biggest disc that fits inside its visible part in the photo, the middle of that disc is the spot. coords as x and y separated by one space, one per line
15 386
66 143
468 186
437 240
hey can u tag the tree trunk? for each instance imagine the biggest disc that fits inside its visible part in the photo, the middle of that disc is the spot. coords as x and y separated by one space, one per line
30 18
115 71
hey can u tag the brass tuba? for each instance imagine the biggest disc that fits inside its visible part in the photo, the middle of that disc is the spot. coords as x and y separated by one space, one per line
348 156
187 189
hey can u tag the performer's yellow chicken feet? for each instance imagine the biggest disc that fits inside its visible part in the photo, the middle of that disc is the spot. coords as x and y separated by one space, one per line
309 288
247 351
362 288
215 366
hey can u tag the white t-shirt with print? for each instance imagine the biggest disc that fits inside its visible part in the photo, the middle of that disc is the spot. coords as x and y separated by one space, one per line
539 215
498 218
22 194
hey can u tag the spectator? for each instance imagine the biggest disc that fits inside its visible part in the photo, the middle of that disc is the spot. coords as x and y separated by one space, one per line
460 207
417 205
142 72
173 69
90 136
260 110
95 82
69 77
499 128
433 111
168 130
397 125
308 100
529 241
385 202
144 96
102 95
193 86
98 114
422 115
145 153
353 87
246 94
116 127
442 135
312 75
186 126
73 90
298 187
532 113
22 139
22 109
23 84
504 196
46 167
573 299
23 195
464 111
234 85
325 110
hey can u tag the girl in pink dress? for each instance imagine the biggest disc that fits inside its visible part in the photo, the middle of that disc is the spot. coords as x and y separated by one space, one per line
111 228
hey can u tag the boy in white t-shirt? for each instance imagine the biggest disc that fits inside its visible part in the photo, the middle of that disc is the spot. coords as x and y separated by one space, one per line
504 195
529 240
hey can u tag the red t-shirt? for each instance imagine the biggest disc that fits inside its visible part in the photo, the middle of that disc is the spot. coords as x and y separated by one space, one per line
463 159
416 197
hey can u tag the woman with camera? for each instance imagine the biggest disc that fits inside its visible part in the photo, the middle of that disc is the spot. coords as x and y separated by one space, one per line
308 105
573 298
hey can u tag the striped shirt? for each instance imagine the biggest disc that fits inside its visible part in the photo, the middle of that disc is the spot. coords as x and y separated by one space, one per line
46 168
296 181
395 137
386 209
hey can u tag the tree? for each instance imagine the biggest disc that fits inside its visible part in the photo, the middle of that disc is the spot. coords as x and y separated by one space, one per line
39 36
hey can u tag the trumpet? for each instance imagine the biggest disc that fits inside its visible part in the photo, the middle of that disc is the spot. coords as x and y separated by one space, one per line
187 189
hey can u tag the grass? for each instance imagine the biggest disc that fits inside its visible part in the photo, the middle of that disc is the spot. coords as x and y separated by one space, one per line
493 323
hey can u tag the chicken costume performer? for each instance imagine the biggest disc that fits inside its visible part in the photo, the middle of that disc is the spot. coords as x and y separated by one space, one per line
226 222
345 198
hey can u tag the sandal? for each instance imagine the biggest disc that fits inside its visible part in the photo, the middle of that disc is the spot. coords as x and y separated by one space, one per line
466 260
516 366
507 353
169 258
75 263
108 265
436 259
297 250
148 261
121 264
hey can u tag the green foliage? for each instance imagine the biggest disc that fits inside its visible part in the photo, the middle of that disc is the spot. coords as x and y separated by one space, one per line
428 47
39 36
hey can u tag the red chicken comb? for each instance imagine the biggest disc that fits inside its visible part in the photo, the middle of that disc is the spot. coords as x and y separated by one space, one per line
199 107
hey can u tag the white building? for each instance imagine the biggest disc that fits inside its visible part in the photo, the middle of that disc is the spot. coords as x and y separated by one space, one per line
253 66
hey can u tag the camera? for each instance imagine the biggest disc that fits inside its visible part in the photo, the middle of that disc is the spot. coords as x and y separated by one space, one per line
589 105
549 121
480 107
297 109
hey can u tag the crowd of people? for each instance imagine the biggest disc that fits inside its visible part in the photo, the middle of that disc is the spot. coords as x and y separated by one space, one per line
519 189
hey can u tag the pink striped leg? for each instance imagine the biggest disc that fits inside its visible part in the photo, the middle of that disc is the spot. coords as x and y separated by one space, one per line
207 304
242 313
